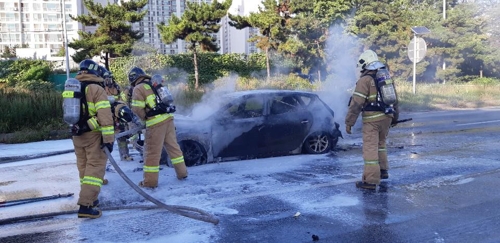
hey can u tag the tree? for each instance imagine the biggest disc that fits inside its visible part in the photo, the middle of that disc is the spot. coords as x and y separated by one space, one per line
114 35
8 52
196 27
270 25
309 23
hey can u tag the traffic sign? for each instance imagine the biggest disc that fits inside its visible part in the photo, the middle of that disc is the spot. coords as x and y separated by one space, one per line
421 48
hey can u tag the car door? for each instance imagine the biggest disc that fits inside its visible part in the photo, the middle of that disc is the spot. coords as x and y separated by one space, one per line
286 125
237 130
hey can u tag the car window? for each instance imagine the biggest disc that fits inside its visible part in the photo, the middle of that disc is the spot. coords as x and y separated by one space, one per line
305 99
247 108
283 104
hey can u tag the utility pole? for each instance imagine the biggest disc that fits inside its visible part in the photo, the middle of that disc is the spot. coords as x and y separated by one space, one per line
65 38
444 18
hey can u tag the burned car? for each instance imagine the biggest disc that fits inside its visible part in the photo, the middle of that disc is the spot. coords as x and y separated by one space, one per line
256 124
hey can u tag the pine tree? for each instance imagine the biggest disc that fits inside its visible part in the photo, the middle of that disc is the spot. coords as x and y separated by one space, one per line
114 35
309 23
270 24
196 27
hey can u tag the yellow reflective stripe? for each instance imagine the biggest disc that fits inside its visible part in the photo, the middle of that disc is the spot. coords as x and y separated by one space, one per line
108 130
92 111
360 95
157 119
68 94
151 169
151 100
123 96
373 116
371 162
178 160
382 149
90 180
94 123
147 87
372 98
138 103
102 104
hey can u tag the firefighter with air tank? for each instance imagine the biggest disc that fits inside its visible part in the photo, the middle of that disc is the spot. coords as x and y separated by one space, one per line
375 97
87 110
152 103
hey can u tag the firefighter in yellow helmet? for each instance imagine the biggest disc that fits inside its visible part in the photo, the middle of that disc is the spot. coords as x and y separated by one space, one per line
91 133
148 104
378 113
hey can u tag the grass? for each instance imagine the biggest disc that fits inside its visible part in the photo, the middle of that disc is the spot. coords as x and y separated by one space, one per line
447 96
30 116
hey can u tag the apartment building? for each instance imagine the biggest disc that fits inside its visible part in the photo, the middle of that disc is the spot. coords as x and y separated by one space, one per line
230 39
38 24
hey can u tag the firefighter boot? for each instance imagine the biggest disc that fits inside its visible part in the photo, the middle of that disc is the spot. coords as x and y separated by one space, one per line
124 155
95 203
364 185
384 174
181 171
89 212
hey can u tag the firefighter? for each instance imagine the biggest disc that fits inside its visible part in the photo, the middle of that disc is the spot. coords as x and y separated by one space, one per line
120 111
160 128
376 118
91 134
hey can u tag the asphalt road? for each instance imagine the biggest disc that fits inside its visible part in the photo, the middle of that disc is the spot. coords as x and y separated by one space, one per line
444 176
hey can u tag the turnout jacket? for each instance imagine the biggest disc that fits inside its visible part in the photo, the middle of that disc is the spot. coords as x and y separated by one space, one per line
99 108
364 94
143 100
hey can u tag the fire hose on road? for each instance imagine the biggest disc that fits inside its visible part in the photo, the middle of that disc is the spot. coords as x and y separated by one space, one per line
189 212
32 199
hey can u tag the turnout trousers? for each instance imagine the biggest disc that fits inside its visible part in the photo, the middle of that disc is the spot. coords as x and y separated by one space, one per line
91 162
374 149
157 136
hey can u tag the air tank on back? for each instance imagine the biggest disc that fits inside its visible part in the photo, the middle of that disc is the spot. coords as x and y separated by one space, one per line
71 101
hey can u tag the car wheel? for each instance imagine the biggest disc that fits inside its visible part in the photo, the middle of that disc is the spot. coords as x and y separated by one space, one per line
193 152
318 143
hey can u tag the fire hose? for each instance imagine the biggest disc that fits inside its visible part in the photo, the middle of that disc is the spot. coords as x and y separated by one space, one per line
31 200
186 211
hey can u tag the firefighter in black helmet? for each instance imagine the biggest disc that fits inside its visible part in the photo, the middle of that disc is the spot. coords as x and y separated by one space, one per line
160 128
93 132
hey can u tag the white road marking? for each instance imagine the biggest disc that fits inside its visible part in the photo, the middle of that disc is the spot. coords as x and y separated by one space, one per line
475 123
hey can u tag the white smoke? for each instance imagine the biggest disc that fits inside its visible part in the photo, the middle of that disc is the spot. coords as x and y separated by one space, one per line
342 52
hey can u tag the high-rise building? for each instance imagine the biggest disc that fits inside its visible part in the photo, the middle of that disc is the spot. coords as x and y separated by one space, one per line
39 24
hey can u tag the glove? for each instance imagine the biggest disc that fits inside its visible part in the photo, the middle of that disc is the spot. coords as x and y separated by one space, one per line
171 109
348 129
107 145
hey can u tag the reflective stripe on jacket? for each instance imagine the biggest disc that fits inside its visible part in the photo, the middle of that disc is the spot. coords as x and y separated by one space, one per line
364 94
143 100
99 107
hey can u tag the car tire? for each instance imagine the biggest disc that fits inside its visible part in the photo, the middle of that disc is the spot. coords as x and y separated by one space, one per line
318 143
194 153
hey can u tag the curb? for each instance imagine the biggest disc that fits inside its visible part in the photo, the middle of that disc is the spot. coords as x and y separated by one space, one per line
4 160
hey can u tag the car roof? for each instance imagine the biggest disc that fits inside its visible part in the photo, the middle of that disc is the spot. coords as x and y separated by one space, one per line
238 94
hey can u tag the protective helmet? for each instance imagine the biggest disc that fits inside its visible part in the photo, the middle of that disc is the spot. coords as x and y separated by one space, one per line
89 66
134 74
101 71
108 78
156 79
107 74
366 58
